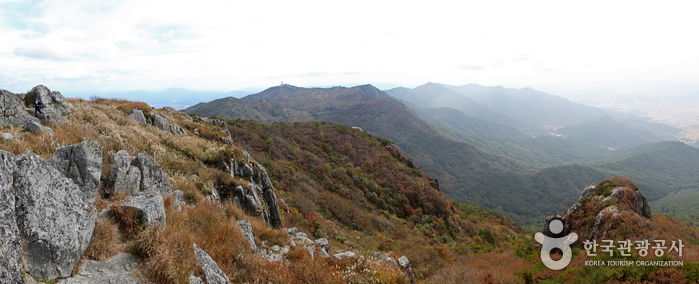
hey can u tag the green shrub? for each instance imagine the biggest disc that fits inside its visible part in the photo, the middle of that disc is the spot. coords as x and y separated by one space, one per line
609 202
585 200
590 220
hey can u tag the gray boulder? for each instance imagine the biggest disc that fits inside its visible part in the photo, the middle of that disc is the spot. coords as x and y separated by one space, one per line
137 115
324 246
7 136
298 237
153 180
275 253
227 139
213 273
249 199
263 178
195 280
10 248
115 270
151 208
179 199
57 105
404 264
246 229
82 163
247 170
347 254
274 218
35 126
124 177
13 113
177 130
52 217
161 122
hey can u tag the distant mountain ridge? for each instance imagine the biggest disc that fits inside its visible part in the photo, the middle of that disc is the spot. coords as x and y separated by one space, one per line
466 172
607 132
174 97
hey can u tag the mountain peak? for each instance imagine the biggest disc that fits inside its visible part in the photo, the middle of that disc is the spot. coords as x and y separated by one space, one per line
289 91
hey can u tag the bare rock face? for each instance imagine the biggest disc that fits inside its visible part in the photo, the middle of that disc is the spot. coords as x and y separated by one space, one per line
405 266
13 113
227 139
153 181
52 217
214 274
259 198
137 115
124 177
83 164
115 270
246 228
150 208
35 126
56 103
249 199
10 248
161 122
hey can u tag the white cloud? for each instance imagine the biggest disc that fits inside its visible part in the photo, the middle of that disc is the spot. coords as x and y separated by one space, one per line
228 45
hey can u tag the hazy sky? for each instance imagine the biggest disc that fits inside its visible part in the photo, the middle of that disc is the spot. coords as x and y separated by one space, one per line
560 47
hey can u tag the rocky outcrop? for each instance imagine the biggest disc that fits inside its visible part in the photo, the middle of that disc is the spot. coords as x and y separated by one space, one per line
13 113
10 249
83 164
195 280
179 199
249 199
213 273
346 254
161 122
52 217
18 109
605 209
137 115
404 264
246 229
115 270
259 198
7 136
633 198
57 105
140 176
35 126
124 177
150 208
227 138
324 246
398 154
153 180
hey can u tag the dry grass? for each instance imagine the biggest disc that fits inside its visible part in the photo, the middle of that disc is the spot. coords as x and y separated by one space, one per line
170 255
105 241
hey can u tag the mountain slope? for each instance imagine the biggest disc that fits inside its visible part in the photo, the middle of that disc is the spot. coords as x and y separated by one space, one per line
608 133
454 120
382 115
465 172
432 95
660 168
353 188
534 107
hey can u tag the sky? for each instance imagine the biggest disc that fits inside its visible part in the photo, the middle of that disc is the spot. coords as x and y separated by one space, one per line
581 48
